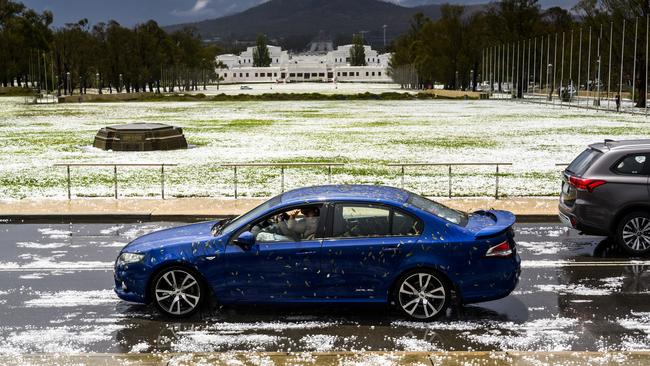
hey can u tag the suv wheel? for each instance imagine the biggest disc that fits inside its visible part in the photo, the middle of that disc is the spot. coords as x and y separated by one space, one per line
633 234
422 295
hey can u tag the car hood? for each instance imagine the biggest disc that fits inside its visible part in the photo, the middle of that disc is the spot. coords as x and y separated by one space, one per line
201 231
489 223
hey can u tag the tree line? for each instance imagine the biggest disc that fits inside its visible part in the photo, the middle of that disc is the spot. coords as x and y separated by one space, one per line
450 51
106 56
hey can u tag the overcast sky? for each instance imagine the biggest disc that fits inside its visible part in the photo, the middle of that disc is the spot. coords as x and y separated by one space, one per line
130 12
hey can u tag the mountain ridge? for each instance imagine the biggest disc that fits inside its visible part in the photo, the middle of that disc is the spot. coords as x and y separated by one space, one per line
287 19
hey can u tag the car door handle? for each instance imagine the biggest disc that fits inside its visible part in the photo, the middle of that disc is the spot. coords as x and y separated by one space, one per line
390 250
307 252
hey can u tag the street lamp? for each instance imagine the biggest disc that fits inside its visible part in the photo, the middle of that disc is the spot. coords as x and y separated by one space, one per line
597 101
548 81
457 88
471 79
68 88
119 87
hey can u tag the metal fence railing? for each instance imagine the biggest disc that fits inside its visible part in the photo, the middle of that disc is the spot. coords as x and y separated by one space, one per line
282 166
453 173
115 180
449 166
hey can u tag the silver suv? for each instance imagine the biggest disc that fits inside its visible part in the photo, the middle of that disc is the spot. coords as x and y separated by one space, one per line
605 191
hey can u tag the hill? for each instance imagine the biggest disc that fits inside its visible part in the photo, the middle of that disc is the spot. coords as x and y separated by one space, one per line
297 21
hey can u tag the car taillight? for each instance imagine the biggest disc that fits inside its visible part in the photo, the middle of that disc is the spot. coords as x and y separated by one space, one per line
586 184
501 250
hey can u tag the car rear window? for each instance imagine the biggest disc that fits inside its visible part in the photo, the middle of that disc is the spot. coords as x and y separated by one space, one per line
438 209
580 165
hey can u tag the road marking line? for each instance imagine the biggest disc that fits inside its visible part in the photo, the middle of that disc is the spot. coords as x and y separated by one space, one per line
561 264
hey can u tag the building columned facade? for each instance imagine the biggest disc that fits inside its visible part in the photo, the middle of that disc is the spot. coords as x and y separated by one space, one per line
330 67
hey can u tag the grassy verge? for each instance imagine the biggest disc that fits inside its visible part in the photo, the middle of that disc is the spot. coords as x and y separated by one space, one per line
176 97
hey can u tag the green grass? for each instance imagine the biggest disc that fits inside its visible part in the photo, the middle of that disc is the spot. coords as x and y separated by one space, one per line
245 124
458 142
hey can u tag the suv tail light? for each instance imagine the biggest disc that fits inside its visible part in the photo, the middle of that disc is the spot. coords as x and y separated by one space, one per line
586 184
501 250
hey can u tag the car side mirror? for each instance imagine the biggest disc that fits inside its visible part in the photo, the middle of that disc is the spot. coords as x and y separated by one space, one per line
245 240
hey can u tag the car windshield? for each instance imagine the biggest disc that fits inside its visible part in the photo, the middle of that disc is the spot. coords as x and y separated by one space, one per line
440 210
583 162
232 225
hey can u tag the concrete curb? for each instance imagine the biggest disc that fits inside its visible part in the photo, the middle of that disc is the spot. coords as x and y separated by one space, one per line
529 209
455 358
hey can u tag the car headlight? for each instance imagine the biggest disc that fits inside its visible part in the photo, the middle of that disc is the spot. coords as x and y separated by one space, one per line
129 258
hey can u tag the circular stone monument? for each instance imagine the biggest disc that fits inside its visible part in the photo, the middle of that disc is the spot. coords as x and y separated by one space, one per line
140 137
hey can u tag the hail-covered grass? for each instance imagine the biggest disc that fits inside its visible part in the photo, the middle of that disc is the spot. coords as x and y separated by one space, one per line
364 135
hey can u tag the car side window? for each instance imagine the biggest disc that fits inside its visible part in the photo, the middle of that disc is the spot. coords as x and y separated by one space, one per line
292 225
360 221
366 220
405 225
632 165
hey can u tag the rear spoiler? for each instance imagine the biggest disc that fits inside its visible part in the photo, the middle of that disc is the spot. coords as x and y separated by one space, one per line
503 221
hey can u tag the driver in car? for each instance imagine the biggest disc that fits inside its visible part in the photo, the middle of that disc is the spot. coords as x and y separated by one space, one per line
300 228
295 225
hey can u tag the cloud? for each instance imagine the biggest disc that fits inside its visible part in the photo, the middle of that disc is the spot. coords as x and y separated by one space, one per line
199 8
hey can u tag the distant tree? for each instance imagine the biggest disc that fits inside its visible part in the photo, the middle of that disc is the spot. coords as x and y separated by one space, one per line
261 56
357 51
220 66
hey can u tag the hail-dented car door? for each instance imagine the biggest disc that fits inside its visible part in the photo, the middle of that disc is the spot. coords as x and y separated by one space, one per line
364 247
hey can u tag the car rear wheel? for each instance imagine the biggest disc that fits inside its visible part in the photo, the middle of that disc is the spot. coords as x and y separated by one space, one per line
422 295
633 234
177 292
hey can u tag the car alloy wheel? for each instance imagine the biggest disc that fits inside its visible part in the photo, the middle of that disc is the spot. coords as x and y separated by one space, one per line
422 295
177 292
634 233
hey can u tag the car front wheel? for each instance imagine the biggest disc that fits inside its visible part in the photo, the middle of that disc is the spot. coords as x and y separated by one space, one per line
177 292
633 234
422 295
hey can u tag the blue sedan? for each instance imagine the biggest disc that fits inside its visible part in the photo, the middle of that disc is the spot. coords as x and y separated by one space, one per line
327 244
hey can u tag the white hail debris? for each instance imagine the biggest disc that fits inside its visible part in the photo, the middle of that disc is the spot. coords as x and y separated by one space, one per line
71 298
204 341
319 342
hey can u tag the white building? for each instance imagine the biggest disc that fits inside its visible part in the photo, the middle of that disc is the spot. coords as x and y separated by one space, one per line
331 67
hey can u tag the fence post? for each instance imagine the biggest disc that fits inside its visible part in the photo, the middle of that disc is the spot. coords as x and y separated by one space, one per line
282 179
69 183
329 174
402 179
496 194
162 181
449 181
235 179
115 179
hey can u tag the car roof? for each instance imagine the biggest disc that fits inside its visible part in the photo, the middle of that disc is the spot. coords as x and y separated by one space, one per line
346 193
611 145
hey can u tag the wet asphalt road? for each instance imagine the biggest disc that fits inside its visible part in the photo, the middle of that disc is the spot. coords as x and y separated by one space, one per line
576 293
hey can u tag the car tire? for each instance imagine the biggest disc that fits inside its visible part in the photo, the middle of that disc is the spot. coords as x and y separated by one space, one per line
178 292
633 233
422 295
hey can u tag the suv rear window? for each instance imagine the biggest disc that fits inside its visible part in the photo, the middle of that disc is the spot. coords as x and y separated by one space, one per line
583 162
